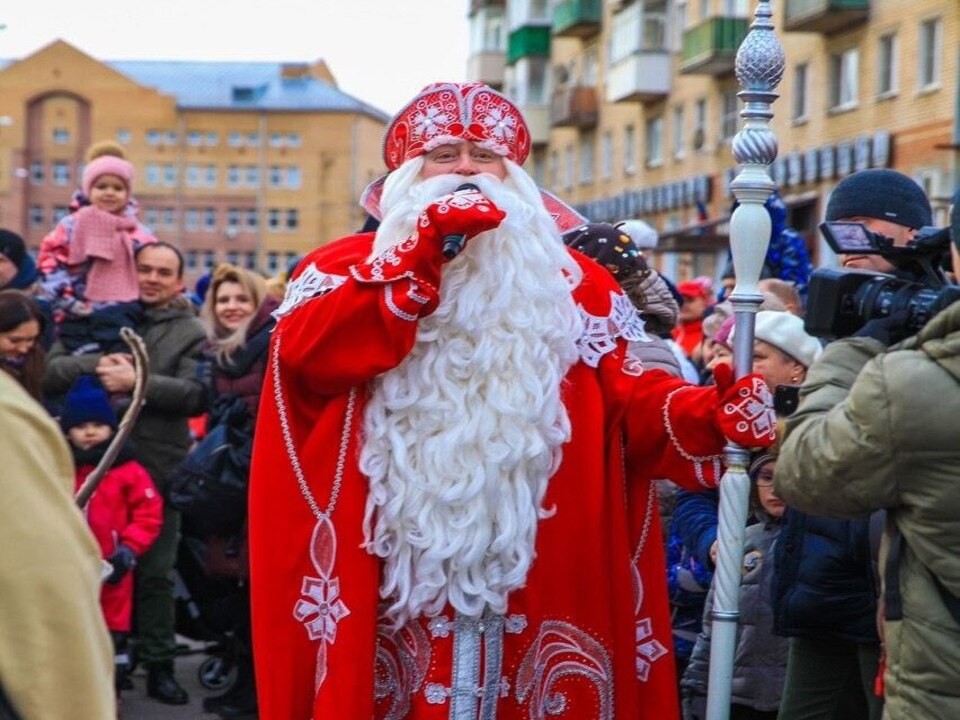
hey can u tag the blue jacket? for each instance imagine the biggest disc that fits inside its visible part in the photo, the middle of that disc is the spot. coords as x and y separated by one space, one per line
823 579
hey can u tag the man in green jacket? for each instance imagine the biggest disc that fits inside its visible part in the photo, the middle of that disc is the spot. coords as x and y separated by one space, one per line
878 428
173 338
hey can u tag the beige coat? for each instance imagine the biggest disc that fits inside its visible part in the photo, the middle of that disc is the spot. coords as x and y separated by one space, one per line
56 659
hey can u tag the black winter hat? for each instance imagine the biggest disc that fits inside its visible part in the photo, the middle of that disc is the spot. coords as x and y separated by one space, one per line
87 401
609 246
882 194
12 247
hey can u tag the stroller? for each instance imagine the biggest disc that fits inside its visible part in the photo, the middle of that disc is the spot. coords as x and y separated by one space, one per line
211 596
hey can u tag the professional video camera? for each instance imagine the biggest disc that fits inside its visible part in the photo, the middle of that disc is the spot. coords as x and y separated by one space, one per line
840 302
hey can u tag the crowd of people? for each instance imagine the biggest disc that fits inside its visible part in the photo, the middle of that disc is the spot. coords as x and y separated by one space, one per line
465 462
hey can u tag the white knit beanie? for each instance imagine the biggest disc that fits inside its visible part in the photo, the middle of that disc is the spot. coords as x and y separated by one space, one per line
643 236
785 332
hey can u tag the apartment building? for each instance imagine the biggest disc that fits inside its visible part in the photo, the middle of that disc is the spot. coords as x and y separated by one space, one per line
251 163
641 103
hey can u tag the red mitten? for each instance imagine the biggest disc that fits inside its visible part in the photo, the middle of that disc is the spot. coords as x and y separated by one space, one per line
745 414
465 212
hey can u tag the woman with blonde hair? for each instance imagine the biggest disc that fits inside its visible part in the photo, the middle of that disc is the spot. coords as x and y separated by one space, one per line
237 314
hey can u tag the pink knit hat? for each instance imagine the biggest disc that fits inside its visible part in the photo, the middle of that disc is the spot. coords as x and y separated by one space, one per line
106 165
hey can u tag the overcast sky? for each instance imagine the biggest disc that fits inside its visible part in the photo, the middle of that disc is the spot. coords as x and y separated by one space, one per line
381 51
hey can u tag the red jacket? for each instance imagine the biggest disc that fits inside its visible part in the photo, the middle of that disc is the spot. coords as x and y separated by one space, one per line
126 509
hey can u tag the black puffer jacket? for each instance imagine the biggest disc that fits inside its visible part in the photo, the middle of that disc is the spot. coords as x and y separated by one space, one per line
824 579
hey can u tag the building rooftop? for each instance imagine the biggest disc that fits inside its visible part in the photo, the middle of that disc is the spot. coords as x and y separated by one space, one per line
275 86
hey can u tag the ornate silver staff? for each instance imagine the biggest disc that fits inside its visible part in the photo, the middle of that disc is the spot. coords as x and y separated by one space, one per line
141 367
760 65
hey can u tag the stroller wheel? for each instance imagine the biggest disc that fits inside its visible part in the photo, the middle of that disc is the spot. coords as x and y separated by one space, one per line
216 673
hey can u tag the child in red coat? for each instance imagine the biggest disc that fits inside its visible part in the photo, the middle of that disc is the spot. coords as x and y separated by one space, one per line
126 511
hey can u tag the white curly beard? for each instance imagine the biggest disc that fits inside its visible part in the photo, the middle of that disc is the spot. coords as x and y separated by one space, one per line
461 438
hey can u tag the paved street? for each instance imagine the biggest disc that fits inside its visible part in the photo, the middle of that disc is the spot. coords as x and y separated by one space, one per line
137 706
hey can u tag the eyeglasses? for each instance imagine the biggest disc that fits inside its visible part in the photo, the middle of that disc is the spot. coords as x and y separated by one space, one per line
764 480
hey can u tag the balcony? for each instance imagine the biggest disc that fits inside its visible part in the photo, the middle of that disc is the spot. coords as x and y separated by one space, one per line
577 18
825 16
710 48
527 41
640 77
477 5
486 67
574 107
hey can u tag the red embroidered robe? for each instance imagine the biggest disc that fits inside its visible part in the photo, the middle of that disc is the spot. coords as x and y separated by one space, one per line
589 634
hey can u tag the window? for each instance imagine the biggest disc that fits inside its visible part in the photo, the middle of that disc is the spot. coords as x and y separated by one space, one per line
153 174
211 139
273 219
233 217
209 258
191 259
273 261
61 136
293 219
275 176
606 155
171 137
233 257
233 176
680 20
193 176
587 144
629 150
276 140
194 138
887 62
253 139
150 217
36 216
293 140
294 178
654 137
36 173
252 176
153 137
210 176
209 219
253 221
60 212
931 50
193 219
679 143
170 175
250 261
60 172
844 71
729 112
799 110
700 124
169 218
124 137
234 139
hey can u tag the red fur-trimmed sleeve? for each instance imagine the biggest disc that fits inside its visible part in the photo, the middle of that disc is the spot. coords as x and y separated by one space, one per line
347 317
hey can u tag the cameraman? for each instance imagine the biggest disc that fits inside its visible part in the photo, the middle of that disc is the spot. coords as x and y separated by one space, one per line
877 428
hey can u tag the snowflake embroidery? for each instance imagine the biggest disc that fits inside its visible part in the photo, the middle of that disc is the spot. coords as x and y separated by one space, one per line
649 649
600 333
501 125
754 408
440 626
310 284
429 122
436 693
323 609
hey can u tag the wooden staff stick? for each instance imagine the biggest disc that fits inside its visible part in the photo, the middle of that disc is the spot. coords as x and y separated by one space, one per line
141 369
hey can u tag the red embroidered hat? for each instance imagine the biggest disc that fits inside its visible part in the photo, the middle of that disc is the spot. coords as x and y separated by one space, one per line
453 112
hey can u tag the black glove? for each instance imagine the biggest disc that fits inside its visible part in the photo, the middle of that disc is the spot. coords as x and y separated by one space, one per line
888 330
123 560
